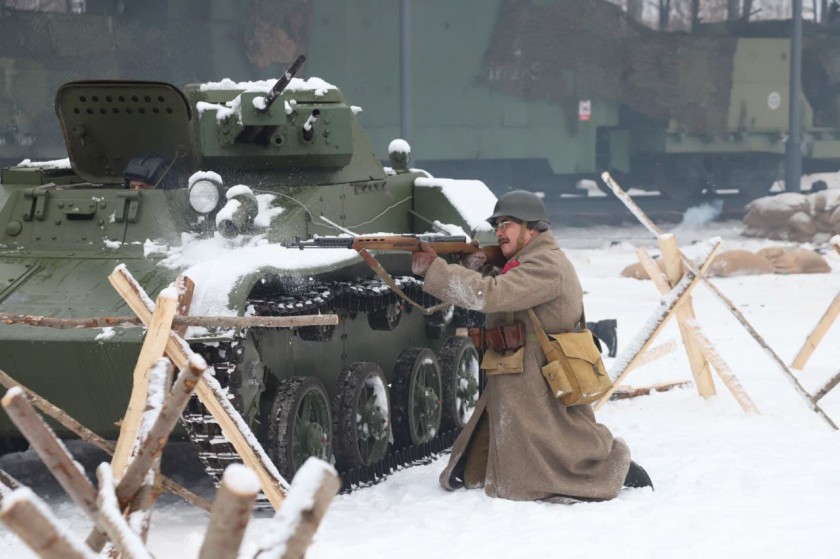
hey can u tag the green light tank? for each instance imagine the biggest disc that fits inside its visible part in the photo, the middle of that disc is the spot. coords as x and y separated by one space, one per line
236 171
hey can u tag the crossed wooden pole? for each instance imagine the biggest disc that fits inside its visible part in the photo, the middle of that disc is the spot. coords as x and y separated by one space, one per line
161 339
816 337
682 277
127 485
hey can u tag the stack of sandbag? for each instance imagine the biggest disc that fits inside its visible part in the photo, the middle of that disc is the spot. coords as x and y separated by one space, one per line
794 216
770 260
795 260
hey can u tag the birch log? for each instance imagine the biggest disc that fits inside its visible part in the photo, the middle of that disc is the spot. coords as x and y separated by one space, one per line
55 457
826 388
178 321
645 220
721 368
623 392
30 518
186 288
654 273
231 513
154 442
52 452
653 354
89 436
125 540
7 483
817 334
151 350
313 488
685 313
158 435
210 393
139 512
635 351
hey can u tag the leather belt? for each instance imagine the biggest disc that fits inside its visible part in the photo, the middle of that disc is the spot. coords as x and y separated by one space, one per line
509 337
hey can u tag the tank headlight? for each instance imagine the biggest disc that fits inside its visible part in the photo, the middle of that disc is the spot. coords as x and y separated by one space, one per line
205 195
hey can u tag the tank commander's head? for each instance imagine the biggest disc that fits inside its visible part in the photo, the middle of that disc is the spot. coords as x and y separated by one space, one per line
149 171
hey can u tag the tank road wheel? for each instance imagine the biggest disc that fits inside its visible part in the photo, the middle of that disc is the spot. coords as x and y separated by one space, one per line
386 318
459 374
416 396
300 425
361 413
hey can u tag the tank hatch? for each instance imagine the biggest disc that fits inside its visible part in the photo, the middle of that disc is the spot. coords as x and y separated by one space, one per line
106 123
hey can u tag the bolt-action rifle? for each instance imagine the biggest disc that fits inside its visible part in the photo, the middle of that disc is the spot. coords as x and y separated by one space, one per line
442 244
403 243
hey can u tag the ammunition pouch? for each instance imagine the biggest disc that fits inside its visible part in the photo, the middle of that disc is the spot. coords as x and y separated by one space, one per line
503 363
504 348
575 372
505 338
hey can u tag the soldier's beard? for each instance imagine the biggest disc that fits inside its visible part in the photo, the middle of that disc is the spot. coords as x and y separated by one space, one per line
508 247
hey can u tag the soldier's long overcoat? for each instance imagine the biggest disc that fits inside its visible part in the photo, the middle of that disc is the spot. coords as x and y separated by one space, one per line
539 448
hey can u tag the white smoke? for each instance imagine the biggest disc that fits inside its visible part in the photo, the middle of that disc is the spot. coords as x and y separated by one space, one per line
698 217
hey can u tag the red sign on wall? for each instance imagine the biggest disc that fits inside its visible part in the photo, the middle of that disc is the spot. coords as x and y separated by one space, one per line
584 110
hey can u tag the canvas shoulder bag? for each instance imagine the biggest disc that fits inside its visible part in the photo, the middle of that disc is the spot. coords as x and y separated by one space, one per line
575 371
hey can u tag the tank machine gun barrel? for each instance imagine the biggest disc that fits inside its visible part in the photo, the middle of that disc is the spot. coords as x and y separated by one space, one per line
308 130
260 131
282 83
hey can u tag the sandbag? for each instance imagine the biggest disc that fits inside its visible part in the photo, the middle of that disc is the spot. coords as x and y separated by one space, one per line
825 200
809 262
802 222
636 270
795 261
776 210
740 263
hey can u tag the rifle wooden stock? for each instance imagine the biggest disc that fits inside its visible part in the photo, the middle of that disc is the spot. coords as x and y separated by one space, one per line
404 243
456 244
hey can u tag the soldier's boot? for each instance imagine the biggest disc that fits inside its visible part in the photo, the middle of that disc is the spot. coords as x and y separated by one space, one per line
637 477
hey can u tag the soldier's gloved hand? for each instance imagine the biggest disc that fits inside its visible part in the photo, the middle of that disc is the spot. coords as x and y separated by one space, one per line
422 259
474 261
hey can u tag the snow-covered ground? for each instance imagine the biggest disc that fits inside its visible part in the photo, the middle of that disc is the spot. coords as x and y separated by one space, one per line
727 484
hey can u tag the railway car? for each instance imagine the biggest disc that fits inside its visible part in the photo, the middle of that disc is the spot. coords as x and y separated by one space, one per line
534 94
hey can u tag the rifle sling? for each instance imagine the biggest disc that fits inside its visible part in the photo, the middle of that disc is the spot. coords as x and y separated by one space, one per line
386 277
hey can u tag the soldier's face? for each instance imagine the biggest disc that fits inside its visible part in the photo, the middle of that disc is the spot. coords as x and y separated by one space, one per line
139 185
507 233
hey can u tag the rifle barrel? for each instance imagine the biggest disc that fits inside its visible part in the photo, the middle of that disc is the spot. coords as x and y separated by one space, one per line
382 242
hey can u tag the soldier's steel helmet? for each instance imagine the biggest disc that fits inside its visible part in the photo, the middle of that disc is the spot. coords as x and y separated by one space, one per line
519 204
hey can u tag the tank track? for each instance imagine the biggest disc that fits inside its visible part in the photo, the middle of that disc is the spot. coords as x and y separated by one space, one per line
340 297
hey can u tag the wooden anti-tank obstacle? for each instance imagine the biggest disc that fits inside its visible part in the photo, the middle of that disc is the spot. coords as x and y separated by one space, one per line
313 488
208 391
30 518
692 276
816 336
